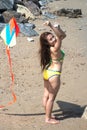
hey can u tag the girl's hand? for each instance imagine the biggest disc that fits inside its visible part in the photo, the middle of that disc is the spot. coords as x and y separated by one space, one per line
47 23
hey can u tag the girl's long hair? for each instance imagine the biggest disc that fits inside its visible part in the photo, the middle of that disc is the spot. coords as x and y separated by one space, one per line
44 50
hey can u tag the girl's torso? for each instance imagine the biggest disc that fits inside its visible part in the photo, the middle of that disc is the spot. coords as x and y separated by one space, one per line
56 60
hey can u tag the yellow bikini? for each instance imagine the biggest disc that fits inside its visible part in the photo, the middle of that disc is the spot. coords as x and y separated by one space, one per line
48 73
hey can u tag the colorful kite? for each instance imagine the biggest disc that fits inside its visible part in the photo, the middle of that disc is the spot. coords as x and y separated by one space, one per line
9 34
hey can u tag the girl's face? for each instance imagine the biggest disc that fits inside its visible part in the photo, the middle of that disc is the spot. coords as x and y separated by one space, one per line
51 39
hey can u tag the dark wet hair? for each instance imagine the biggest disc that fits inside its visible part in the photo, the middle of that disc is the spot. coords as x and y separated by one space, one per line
44 50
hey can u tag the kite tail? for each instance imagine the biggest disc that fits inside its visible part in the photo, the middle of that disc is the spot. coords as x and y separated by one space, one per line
12 78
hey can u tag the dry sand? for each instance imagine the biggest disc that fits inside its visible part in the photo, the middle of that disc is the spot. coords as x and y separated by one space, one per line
27 113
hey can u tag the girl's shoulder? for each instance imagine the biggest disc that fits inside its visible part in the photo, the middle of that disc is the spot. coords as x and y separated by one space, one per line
53 49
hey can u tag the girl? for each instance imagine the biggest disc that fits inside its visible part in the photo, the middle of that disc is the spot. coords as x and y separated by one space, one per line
51 59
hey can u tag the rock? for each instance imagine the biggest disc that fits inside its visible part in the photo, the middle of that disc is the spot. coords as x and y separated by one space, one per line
5 5
1 19
71 13
19 2
28 29
12 2
7 15
33 8
36 2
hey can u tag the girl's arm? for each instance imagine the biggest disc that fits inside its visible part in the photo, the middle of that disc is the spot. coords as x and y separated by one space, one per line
58 31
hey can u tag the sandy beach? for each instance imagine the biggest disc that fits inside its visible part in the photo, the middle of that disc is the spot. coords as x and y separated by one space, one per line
27 112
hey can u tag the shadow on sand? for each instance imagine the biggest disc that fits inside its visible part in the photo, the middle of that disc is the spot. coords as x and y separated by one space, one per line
66 110
69 110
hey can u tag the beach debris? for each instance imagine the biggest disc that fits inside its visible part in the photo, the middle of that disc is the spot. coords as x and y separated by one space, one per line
41 29
49 15
30 39
71 13
23 10
43 2
84 115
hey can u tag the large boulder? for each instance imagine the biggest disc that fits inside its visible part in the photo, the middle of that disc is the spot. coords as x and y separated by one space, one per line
7 15
36 2
32 7
71 13
5 5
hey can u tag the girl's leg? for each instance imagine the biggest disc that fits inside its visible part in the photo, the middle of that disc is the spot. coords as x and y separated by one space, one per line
54 84
46 93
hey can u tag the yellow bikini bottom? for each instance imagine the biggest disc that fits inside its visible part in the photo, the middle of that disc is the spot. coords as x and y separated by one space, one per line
48 73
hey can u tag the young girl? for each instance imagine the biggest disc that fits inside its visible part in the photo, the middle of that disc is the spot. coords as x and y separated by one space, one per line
51 59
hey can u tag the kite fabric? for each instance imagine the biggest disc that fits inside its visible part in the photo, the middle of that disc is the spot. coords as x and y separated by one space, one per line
9 34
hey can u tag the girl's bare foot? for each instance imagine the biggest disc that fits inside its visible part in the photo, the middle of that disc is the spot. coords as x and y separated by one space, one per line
53 117
52 121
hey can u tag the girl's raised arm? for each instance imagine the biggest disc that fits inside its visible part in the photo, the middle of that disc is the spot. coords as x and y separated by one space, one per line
58 31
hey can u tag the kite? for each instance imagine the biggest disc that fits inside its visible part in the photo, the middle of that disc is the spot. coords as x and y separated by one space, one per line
9 34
